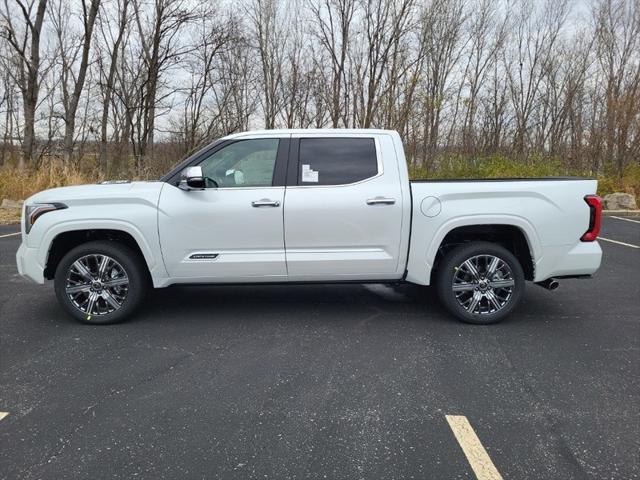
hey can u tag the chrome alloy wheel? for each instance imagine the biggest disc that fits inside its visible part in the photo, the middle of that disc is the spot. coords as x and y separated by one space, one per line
483 284
96 284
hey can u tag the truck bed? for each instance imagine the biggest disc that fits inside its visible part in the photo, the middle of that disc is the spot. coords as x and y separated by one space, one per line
550 212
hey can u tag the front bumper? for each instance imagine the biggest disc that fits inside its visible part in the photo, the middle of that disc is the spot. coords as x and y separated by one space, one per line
28 264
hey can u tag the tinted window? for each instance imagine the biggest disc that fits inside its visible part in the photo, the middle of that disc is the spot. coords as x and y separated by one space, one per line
336 161
246 163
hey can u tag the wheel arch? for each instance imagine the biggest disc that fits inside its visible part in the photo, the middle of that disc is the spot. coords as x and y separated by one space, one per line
511 237
428 237
64 241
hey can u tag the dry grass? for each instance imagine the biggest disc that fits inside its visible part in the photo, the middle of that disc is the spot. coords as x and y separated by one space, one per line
9 215
496 166
18 184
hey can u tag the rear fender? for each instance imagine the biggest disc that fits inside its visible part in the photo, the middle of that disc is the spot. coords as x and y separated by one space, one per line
421 260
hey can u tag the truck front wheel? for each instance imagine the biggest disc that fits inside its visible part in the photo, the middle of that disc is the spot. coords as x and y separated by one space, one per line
100 282
480 282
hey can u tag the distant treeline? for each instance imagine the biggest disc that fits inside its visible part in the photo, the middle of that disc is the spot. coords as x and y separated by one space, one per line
128 87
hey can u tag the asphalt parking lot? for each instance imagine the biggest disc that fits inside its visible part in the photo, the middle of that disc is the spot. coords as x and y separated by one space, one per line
324 381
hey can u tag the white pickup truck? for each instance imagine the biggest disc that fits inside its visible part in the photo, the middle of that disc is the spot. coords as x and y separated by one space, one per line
287 206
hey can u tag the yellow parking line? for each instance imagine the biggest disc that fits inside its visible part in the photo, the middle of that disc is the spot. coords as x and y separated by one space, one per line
10 234
476 455
3 414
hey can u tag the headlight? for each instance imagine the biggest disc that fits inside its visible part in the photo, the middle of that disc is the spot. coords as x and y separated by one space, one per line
33 212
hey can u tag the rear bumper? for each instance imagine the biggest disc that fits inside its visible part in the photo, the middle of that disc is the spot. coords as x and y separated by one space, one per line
28 265
581 259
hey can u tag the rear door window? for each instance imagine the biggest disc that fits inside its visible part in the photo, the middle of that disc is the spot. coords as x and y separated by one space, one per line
336 161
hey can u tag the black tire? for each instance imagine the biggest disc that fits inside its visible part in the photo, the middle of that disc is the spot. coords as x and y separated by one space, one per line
451 269
125 260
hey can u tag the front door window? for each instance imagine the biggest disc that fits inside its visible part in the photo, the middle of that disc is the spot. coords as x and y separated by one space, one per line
245 163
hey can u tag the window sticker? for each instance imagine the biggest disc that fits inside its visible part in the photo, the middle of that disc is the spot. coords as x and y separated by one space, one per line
309 175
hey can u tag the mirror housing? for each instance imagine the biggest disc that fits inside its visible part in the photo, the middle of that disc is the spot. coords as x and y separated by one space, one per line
192 178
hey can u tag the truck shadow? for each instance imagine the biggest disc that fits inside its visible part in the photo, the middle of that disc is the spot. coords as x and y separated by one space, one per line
317 303
324 303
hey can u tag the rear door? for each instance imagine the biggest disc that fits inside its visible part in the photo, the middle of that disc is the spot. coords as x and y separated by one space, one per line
343 208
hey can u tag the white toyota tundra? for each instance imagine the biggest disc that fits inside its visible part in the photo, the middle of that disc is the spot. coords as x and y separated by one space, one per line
290 206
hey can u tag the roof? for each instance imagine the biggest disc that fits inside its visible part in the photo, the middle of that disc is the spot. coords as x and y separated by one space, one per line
302 131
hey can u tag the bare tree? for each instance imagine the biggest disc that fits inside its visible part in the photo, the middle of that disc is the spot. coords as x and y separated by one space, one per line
108 65
8 103
154 79
386 22
200 119
442 23
158 35
73 53
334 19
25 42
236 95
487 36
618 44
536 34
270 35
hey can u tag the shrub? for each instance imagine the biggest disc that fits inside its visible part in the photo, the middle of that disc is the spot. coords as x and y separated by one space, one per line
498 166
18 184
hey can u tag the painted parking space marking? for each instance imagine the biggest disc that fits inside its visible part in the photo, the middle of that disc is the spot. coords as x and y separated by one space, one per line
3 414
625 219
618 243
9 234
476 455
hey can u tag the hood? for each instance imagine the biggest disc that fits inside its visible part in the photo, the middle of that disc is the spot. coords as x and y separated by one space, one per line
100 193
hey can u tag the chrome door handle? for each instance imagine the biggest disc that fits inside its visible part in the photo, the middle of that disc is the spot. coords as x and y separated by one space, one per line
265 202
381 201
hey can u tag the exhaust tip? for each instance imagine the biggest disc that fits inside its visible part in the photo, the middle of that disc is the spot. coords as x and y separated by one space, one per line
549 284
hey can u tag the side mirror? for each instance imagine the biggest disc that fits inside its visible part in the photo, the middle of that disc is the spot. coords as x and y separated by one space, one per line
192 178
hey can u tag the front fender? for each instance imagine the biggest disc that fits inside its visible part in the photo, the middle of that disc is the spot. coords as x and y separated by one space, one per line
129 208
151 255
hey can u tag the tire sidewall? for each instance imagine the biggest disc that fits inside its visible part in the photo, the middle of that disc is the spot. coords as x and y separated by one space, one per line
455 258
130 262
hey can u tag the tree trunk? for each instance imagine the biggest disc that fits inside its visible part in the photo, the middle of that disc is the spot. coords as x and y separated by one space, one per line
30 94
106 102
70 115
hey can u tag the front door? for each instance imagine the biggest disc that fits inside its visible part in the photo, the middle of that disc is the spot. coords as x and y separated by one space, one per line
231 231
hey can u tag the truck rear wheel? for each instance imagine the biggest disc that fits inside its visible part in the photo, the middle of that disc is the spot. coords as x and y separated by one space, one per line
100 282
480 282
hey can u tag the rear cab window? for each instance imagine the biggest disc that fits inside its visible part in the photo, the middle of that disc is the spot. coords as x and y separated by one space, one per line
336 161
